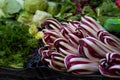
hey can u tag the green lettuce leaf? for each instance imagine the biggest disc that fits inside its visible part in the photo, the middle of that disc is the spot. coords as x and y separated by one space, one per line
11 7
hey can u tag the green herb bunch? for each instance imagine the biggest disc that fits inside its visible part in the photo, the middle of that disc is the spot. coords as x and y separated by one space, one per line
16 43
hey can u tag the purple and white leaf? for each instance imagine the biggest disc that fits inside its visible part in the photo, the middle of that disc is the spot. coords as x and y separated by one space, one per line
93 48
50 36
90 26
64 46
51 24
57 61
78 65
109 39
110 65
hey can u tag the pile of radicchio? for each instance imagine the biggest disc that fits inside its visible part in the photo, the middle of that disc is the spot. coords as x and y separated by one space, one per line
80 47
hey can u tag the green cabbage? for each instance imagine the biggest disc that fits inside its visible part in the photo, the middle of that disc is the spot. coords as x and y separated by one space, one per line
33 5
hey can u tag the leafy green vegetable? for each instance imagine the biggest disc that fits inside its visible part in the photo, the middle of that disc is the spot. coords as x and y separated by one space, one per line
2 14
2 3
25 17
21 2
109 8
31 6
9 8
16 43
40 16
53 8
33 29
67 7
112 24
12 6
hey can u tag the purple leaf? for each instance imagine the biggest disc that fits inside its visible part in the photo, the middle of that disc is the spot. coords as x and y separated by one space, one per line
51 24
90 26
75 37
57 61
110 66
109 39
64 46
50 36
93 48
79 65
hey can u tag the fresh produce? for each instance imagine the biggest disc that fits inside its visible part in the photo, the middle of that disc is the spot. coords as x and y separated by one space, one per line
2 3
112 24
53 8
110 65
25 18
33 29
28 11
54 59
90 26
2 13
16 44
31 6
79 65
73 41
117 2
39 35
21 3
40 16
77 46
93 48
12 7
109 40
94 4
109 9
9 8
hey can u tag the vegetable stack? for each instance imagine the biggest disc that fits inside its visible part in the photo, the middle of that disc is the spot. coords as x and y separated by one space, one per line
80 47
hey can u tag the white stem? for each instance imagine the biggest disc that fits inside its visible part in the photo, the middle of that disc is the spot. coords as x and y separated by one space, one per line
66 45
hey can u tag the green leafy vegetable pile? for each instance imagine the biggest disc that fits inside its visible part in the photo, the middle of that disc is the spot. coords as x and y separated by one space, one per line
16 44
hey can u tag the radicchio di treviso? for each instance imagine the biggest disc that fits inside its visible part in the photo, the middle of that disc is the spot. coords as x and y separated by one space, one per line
80 47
